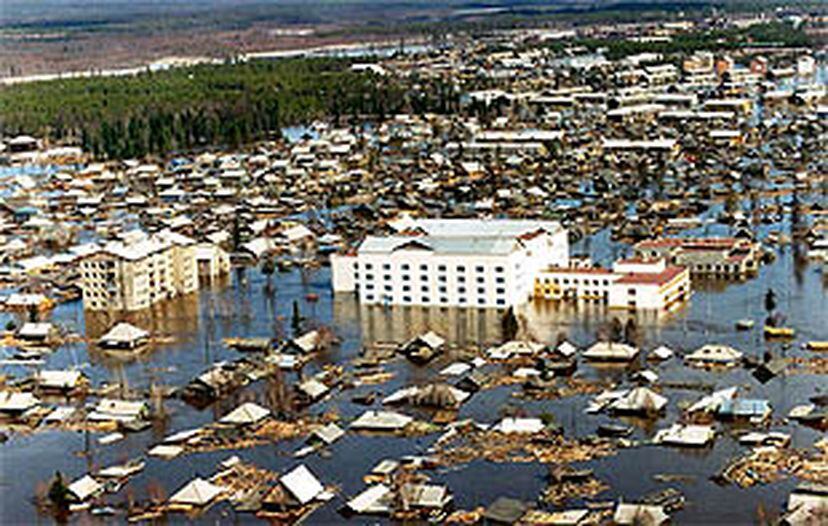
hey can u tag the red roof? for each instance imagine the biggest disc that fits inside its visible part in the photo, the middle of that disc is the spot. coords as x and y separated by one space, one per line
697 243
579 270
651 278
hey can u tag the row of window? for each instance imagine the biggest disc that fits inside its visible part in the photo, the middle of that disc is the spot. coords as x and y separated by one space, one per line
425 277
426 300
443 289
565 281
440 268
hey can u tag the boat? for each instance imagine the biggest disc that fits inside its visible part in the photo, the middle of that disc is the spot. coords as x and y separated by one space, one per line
745 324
817 345
778 332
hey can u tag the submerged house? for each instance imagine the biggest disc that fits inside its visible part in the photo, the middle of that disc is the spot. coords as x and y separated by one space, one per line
714 355
611 352
423 348
124 336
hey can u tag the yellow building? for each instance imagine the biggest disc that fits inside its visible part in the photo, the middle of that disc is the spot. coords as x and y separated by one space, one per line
135 274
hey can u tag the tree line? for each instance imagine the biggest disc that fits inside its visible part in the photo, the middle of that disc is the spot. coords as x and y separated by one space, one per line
207 105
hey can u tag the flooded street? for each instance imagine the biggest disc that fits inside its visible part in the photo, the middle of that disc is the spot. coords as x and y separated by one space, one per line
241 308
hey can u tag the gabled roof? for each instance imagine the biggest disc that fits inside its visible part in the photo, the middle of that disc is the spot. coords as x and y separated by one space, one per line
124 333
197 492
247 413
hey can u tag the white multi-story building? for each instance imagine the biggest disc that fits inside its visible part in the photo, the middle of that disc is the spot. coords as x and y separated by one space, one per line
135 273
452 262
632 284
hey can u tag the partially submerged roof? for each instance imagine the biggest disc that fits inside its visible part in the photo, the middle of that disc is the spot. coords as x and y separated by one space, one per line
639 515
245 414
505 510
12 402
84 488
124 332
302 484
375 499
685 435
197 492
519 425
611 351
381 421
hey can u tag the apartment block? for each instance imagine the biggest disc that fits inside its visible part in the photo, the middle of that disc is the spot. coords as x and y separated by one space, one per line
137 271
452 262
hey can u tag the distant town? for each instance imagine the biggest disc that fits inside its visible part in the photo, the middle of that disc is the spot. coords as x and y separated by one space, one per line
561 274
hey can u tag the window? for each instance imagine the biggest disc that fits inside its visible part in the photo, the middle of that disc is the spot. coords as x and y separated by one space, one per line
631 292
369 286
479 269
424 277
461 279
461 268
441 268
501 291
406 288
369 276
426 299
406 299
462 299
369 297
499 270
502 280
461 290
406 266
387 288
386 266
424 288
387 277
442 279
406 277
481 301
481 290
443 289
481 279
501 302
424 268
369 266
444 300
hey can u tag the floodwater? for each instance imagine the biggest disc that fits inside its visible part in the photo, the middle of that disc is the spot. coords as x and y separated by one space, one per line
243 308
